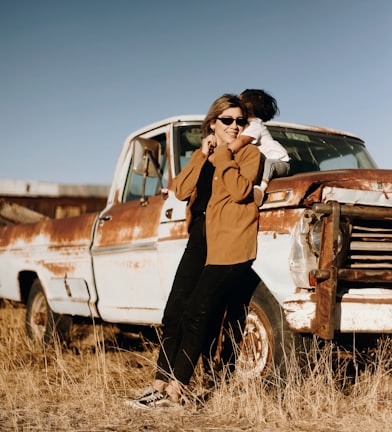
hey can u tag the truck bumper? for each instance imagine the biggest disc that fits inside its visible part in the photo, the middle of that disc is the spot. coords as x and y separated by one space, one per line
358 310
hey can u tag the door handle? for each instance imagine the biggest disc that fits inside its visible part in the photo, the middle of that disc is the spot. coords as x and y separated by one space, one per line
105 218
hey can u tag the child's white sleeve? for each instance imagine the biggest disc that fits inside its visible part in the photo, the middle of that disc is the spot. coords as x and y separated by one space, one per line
254 130
266 137
271 148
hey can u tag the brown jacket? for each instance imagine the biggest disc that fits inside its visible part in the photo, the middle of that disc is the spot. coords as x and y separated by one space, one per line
232 216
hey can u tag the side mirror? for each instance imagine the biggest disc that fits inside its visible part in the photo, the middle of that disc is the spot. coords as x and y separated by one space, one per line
147 153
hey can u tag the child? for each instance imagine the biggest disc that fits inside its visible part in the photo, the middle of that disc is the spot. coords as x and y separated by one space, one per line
261 108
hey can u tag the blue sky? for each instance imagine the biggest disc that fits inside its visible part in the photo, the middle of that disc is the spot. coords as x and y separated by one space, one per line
78 76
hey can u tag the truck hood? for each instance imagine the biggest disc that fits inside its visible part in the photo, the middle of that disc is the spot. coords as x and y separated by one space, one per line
351 186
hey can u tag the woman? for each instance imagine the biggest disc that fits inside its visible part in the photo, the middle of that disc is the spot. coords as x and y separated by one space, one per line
222 223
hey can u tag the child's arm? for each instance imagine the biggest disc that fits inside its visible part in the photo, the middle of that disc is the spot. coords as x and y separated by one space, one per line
239 142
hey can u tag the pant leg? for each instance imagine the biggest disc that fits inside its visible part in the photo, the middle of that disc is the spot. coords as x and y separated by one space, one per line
206 304
237 308
229 324
275 168
189 269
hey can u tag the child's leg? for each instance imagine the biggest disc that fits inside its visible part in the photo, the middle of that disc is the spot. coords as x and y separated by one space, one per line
279 168
258 190
272 168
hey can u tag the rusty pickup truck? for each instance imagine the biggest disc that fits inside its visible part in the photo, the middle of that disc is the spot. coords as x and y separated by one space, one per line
324 262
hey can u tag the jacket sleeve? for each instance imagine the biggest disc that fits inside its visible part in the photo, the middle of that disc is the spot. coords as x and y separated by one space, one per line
185 183
240 173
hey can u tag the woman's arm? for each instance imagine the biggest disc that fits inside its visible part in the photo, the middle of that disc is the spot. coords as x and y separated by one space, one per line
240 173
185 182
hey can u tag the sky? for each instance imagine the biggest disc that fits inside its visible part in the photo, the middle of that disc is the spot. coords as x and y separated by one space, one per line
78 76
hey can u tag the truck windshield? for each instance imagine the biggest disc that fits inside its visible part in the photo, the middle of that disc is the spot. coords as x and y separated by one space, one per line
322 151
309 150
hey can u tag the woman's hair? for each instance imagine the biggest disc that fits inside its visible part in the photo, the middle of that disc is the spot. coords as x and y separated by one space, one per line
260 104
218 106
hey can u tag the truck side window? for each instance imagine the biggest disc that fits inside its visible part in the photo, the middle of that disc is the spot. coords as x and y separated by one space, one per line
145 171
187 138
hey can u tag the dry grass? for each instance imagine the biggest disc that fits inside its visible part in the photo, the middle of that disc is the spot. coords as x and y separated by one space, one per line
83 389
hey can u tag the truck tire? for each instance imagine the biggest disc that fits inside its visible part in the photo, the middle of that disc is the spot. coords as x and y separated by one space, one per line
42 324
268 344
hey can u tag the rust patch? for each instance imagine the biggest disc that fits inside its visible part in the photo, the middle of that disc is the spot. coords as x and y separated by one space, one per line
71 231
306 187
326 289
178 230
58 269
367 276
279 221
365 300
129 222
52 233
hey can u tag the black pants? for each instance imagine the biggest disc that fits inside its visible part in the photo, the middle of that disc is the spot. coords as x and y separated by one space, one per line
239 294
188 272
204 310
195 307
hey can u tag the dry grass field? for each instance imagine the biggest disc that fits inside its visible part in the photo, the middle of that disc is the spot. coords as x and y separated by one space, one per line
83 389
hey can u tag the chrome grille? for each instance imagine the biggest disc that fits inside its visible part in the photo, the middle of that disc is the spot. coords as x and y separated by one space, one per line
370 245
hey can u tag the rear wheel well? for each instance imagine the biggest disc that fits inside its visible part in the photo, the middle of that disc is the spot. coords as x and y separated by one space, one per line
26 280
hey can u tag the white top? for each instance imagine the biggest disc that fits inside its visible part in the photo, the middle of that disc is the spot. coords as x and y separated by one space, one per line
270 148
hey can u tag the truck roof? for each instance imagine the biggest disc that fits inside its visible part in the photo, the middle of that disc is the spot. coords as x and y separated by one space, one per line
200 117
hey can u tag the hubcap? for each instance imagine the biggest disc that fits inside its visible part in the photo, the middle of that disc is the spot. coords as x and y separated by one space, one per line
255 348
39 317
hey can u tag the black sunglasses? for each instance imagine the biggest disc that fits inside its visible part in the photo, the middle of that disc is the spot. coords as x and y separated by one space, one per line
240 121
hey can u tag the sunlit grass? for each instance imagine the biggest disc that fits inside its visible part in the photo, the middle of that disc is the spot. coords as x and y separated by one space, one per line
83 388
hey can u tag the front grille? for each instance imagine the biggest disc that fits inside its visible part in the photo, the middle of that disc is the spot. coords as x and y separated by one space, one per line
366 257
364 264
370 245
367 261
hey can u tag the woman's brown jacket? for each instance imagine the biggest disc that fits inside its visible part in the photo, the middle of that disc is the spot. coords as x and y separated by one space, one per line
231 216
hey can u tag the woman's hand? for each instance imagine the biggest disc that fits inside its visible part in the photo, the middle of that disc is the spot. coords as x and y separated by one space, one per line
208 145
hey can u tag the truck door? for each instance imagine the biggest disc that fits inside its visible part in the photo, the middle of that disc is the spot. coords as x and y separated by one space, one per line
125 249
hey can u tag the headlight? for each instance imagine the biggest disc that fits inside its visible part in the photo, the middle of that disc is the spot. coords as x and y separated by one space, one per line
314 237
302 258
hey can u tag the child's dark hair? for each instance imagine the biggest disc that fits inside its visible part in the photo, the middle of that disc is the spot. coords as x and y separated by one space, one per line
260 104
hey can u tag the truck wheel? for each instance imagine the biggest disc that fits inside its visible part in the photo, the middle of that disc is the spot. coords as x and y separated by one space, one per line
267 344
42 324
